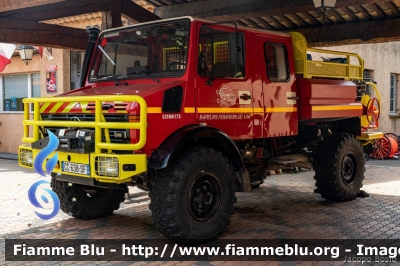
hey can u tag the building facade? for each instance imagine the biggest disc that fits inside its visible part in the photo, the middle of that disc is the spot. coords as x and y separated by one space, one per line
19 81
381 66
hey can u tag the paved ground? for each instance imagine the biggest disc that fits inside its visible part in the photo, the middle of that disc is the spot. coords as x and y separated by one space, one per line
284 207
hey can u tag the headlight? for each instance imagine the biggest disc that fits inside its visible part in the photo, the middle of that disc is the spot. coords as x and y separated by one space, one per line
107 166
29 158
26 157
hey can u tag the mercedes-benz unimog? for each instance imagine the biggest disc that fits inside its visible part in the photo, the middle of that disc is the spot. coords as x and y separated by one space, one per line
193 111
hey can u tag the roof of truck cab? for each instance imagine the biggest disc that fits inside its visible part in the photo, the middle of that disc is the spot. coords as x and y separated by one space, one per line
276 33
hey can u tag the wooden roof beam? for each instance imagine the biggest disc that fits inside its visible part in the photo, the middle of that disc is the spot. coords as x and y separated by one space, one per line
350 14
154 3
137 12
264 23
58 10
310 19
379 11
289 22
241 9
300 20
115 13
6 5
394 8
278 23
253 23
353 33
338 17
241 23
42 34
365 12
73 8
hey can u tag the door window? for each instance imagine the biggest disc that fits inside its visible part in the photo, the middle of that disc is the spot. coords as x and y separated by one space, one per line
277 63
213 60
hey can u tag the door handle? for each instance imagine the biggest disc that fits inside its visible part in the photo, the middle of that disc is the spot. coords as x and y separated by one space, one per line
292 98
245 97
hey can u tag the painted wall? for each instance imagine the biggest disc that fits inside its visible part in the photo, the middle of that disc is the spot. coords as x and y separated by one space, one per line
382 59
11 129
11 132
18 66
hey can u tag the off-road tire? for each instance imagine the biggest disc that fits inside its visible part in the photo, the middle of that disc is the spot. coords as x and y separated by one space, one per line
75 199
180 192
339 167
257 178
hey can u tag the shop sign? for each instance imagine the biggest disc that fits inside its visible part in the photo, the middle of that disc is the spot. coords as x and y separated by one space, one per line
51 79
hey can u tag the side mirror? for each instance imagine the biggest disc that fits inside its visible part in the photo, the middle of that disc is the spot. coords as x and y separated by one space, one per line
236 51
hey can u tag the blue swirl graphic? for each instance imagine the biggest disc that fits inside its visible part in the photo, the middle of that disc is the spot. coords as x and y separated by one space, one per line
35 202
42 155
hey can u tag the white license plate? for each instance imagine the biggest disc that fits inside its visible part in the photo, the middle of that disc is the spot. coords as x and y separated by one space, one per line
76 168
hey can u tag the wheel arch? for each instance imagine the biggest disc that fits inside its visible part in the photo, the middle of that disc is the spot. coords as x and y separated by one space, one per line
349 125
196 135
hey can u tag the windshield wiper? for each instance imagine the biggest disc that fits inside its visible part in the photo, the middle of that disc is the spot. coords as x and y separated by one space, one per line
106 77
141 72
104 52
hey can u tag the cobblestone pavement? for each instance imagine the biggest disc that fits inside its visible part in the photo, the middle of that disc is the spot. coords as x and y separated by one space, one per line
284 207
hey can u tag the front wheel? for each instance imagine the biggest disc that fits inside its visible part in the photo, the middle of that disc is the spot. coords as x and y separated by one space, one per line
192 200
87 202
339 167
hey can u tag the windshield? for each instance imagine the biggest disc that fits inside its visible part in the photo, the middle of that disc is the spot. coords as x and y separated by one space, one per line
156 50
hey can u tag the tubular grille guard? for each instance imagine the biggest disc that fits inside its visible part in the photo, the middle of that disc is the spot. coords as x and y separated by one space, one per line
98 124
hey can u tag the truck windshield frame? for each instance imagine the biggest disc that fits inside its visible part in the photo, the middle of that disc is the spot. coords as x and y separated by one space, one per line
155 50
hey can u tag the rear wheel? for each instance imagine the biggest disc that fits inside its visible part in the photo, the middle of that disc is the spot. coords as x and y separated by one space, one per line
87 202
192 200
257 177
339 167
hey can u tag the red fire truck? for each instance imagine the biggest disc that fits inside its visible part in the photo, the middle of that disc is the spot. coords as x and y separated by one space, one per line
194 111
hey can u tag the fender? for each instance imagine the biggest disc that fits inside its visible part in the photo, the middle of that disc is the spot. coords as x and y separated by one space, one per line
162 156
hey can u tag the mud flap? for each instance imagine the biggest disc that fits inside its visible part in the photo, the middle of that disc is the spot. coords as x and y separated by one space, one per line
244 184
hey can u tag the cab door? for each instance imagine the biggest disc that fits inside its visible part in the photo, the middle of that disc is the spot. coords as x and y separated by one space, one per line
226 105
223 92
279 87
